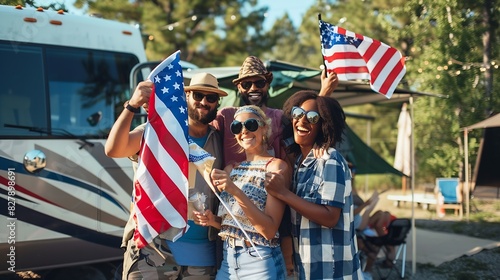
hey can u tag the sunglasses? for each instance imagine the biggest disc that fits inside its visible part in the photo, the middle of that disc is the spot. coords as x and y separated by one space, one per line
248 84
298 113
211 98
250 124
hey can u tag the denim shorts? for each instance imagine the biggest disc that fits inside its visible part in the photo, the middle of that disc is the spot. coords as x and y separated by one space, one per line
243 262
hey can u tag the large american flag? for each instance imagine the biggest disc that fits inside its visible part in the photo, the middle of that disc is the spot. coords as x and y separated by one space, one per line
353 57
161 186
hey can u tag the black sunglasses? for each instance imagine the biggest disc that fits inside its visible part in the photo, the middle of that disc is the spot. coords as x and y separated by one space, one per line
250 124
211 98
298 113
248 84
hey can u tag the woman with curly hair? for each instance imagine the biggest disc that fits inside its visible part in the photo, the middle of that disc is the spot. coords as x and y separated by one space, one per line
321 198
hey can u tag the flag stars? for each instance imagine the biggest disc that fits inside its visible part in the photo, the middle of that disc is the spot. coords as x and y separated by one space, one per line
167 78
178 73
182 110
164 90
157 79
170 66
174 98
177 86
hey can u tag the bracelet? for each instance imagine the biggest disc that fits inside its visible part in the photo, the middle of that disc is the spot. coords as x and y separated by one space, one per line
130 108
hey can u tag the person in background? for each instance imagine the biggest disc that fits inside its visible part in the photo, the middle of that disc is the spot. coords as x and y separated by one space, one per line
242 188
321 197
360 216
202 96
367 224
253 83
376 225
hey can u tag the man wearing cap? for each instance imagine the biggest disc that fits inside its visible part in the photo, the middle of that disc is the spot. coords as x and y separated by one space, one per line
194 253
253 83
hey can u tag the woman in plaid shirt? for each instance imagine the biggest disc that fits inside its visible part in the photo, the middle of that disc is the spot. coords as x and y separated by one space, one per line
321 198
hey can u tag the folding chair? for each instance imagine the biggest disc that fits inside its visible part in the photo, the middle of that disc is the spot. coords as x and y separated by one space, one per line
449 194
396 236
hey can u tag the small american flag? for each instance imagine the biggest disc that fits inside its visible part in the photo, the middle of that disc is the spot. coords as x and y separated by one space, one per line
161 186
354 57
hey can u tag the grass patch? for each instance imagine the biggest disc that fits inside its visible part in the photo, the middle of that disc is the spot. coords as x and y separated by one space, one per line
465 275
431 267
474 265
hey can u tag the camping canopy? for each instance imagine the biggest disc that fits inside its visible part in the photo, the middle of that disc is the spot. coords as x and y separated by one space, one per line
486 175
289 78
366 160
489 122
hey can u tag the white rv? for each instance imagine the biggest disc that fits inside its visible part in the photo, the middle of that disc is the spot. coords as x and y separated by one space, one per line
63 81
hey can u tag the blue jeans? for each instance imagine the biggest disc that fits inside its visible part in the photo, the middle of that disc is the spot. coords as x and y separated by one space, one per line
242 262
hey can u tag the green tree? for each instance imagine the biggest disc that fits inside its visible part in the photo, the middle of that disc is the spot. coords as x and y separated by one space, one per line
33 3
451 49
448 57
283 40
208 33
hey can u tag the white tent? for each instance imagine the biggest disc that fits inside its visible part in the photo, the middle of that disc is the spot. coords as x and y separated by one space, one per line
489 122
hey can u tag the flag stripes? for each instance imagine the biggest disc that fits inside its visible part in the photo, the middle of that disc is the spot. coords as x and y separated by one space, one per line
161 186
353 57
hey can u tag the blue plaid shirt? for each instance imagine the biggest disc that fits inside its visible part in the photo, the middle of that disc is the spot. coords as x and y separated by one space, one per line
325 253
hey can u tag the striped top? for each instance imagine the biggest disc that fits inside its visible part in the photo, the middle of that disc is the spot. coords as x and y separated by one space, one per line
248 176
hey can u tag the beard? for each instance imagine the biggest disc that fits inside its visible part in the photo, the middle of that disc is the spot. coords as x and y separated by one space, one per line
197 116
245 100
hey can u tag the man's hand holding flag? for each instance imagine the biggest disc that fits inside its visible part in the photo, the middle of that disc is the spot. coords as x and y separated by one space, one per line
161 186
353 57
165 157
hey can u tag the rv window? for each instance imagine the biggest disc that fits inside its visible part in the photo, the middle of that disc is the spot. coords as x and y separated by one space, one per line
22 90
86 89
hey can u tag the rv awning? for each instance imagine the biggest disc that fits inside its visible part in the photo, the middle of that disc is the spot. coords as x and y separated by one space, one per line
290 78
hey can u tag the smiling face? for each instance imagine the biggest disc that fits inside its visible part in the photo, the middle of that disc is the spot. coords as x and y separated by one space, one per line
201 111
253 90
247 139
305 132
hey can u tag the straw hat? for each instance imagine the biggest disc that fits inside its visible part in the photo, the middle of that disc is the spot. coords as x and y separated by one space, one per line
206 83
253 66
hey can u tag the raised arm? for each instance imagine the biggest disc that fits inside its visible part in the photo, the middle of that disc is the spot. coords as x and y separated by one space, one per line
328 84
121 141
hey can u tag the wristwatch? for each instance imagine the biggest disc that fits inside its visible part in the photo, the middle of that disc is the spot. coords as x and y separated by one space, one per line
130 108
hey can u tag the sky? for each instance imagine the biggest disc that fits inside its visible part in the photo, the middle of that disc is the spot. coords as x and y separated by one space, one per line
277 8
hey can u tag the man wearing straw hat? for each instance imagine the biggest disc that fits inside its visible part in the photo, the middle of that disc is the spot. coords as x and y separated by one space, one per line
194 254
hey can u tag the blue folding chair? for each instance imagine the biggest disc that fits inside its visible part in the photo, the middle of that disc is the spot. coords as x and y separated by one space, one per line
449 189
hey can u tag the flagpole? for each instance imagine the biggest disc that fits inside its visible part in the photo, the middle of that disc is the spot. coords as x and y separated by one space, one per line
236 220
204 166
412 184
322 58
